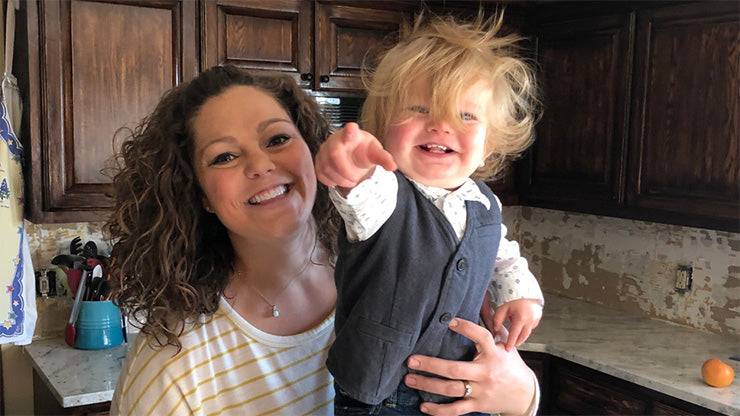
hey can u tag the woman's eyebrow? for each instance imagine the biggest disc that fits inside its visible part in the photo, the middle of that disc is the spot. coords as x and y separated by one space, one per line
265 123
227 139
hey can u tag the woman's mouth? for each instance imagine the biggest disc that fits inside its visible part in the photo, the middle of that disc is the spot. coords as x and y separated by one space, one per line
268 194
435 148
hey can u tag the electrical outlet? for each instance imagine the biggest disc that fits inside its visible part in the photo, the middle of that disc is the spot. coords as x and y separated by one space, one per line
683 278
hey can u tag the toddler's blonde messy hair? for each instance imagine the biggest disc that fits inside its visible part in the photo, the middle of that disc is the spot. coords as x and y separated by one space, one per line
453 56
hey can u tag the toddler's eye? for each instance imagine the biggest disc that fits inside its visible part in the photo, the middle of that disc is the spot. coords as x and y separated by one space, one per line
419 109
468 116
221 159
278 140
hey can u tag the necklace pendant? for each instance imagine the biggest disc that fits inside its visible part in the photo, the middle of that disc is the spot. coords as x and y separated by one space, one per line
275 311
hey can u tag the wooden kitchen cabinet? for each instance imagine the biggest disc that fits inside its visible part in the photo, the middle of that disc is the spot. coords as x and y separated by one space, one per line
268 35
323 45
568 388
685 122
641 112
87 68
349 37
578 156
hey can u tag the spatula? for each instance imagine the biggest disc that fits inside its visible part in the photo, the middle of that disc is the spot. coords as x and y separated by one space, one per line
69 330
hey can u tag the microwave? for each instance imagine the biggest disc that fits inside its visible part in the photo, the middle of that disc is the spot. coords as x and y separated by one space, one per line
339 110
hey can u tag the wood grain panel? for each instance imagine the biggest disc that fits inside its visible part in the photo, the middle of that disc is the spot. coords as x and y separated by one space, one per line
251 38
109 85
686 128
93 67
578 153
348 36
262 35
576 393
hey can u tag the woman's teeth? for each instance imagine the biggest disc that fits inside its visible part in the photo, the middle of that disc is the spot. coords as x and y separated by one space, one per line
435 148
268 194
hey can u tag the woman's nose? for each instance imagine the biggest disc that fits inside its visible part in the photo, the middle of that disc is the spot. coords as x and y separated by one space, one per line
258 164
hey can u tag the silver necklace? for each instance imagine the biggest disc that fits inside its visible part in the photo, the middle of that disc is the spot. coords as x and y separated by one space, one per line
273 305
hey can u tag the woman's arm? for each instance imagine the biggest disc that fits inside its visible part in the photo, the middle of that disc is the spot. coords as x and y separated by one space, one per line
500 381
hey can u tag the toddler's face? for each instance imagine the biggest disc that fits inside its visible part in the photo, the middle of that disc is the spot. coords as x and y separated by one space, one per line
434 152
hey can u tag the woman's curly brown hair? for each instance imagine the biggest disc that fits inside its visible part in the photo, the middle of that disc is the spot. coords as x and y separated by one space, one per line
172 259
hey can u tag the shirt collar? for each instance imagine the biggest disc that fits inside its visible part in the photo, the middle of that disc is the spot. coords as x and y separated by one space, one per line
469 191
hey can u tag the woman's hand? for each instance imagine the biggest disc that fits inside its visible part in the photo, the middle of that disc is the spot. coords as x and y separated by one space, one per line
500 382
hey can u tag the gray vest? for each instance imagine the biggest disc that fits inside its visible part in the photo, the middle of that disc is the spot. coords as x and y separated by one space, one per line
398 290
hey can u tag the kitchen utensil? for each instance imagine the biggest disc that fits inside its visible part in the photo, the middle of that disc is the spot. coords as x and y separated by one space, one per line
105 288
67 260
75 247
97 279
69 330
73 279
93 262
95 289
90 250
124 328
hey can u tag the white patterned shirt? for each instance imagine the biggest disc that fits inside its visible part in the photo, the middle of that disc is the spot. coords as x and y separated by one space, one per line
369 205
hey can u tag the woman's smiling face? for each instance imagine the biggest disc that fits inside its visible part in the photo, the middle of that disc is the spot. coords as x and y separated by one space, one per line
254 167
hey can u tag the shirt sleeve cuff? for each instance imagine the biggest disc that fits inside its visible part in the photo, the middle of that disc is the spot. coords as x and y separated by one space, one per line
535 404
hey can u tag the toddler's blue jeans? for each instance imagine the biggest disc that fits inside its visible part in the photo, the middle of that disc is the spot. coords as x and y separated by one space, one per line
404 401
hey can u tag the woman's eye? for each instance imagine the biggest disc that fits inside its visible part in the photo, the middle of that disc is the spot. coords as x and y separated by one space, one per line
468 116
419 109
221 159
277 140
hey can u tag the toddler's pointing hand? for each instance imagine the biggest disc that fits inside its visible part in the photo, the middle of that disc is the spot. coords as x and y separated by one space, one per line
349 156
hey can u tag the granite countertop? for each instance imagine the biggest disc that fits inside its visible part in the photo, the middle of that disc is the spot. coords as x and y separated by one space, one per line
652 353
77 377
648 352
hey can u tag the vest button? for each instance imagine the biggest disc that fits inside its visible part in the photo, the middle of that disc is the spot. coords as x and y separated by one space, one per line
462 264
446 317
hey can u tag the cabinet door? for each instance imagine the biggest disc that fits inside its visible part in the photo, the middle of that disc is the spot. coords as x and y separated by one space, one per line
686 114
348 37
268 35
94 67
576 161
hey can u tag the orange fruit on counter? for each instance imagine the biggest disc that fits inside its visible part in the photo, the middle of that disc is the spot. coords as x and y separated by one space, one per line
716 373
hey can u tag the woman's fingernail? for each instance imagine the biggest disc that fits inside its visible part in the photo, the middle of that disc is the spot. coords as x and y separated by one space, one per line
453 323
413 363
424 409
410 381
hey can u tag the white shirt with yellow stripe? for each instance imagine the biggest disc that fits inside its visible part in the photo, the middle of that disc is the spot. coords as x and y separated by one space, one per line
228 367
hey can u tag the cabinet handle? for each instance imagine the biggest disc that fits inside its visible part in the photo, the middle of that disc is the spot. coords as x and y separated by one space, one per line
324 78
306 76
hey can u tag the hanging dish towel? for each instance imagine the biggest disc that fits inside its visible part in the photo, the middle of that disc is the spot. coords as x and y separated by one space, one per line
17 285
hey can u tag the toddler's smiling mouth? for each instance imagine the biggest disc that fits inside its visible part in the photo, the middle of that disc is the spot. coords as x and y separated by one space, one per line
269 194
435 148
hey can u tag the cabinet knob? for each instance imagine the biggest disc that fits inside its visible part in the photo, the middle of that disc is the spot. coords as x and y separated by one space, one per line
324 78
306 76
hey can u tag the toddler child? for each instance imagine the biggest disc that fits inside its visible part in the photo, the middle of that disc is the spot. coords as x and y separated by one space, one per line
421 237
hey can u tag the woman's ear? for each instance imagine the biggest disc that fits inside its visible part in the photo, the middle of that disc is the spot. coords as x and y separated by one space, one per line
207 205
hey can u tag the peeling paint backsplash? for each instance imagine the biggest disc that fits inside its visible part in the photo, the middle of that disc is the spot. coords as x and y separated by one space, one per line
622 264
631 265
47 240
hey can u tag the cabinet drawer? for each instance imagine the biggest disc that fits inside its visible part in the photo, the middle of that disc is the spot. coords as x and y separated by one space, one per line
574 392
